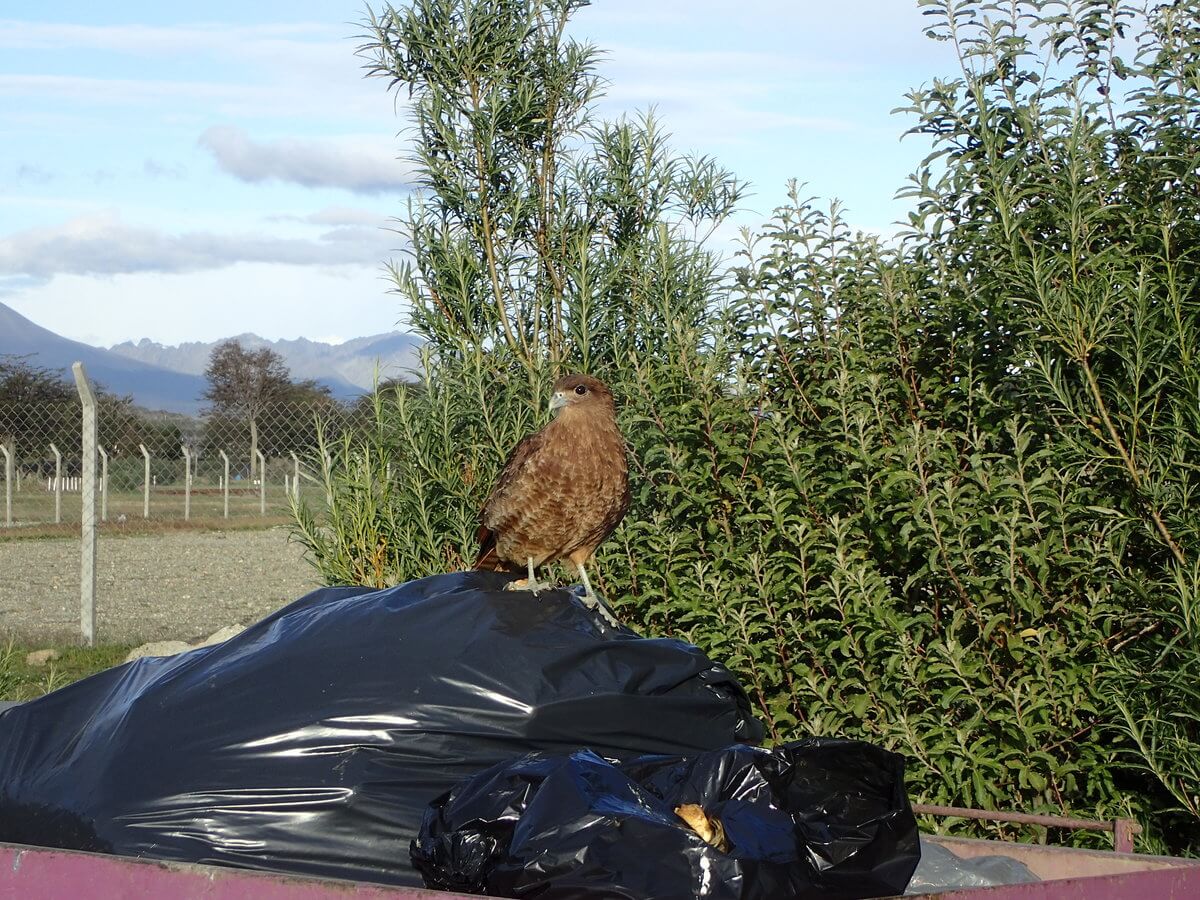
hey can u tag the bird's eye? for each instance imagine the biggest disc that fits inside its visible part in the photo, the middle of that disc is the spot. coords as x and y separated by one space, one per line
580 390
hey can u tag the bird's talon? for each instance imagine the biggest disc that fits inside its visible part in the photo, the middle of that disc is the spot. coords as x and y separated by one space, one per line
524 584
599 606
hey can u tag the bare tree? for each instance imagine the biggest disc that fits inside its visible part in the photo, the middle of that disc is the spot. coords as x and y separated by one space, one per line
242 383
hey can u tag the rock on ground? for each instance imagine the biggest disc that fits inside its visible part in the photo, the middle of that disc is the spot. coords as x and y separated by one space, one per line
158 648
170 648
222 635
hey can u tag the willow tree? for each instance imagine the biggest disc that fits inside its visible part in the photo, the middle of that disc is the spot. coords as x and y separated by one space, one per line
539 239
537 231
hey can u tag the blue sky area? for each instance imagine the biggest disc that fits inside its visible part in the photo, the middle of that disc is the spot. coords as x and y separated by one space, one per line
188 173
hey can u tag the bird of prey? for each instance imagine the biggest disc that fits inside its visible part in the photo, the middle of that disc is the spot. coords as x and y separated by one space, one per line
562 491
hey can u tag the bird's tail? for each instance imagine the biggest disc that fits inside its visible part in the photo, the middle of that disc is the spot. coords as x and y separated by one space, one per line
487 557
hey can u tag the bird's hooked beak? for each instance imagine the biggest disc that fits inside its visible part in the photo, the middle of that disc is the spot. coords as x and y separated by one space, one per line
557 401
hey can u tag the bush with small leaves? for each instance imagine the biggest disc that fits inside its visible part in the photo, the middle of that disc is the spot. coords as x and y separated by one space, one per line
937 492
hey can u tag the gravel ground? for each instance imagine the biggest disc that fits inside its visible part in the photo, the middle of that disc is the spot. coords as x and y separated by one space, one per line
169 586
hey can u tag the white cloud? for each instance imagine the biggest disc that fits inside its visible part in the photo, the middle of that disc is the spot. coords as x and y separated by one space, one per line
104 245
340 217
260 71
284 94
352 234
121 91
154 40
307 52
363 168
345 215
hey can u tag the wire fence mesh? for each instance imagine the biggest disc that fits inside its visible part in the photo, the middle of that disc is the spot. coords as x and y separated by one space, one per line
161 467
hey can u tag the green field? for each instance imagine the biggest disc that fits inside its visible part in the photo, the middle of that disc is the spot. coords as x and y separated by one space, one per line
20 681
34 506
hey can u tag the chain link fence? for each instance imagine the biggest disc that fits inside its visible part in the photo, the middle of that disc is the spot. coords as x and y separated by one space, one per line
160 467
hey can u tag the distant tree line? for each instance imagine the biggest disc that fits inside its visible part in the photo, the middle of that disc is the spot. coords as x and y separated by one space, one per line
39 407
253 404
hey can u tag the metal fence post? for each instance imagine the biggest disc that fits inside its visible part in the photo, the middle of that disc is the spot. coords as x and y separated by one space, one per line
146 493
8 484
103 483
296 477
87 565
262 484
187 483
226 482
57 484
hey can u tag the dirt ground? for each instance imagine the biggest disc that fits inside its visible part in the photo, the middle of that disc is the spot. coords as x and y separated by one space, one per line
170 585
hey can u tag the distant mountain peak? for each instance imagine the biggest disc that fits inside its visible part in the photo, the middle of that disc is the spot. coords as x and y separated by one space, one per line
171 378
150 386
349 368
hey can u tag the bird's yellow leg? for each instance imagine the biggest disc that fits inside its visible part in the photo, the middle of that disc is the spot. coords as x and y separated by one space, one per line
588 593
590 598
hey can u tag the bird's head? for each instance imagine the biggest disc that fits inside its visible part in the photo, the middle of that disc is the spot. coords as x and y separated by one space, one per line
580 392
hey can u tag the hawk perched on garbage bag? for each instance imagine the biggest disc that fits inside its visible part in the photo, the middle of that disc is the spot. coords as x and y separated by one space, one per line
563 490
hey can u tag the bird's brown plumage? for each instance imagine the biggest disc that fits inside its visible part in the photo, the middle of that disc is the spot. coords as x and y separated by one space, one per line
564 489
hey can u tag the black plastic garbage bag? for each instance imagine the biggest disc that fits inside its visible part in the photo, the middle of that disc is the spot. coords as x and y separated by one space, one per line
314 741
817 818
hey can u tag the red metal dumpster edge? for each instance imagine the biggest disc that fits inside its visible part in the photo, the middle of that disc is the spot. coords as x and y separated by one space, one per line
1182 883
28 873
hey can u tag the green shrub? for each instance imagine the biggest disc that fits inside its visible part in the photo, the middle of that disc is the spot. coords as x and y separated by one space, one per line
936 492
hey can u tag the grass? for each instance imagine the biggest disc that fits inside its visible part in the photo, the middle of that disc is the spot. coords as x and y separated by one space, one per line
33 503
33 511
20 681
147 526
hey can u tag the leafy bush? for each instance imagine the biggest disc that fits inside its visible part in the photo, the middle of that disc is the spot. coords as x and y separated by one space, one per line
937 493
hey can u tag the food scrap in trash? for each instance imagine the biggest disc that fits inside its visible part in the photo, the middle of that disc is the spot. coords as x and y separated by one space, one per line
708 827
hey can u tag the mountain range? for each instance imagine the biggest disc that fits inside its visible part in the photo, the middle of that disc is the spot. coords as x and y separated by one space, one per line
170 378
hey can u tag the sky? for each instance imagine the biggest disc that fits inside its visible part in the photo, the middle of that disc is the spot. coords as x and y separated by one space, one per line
186 172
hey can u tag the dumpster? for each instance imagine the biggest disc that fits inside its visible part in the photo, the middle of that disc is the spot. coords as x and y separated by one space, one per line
302 753
32 873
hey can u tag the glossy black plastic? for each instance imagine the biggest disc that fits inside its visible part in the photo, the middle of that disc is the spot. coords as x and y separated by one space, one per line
314 741
818 818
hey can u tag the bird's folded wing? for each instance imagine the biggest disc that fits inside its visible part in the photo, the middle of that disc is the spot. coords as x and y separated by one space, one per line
510 476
